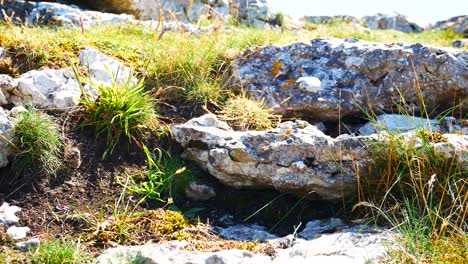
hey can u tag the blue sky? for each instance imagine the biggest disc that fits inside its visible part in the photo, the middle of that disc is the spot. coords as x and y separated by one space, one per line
421 11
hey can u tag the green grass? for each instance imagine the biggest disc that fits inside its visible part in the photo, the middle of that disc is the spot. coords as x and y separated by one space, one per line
121 110
37 146
158 182
423 194
58 251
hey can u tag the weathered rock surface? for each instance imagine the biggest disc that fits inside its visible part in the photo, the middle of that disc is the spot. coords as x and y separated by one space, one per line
7 214
459 24
6 130
393 21
103 70
55 14
353 74
405 123
359 244
295 157
18 233
249 233
42 88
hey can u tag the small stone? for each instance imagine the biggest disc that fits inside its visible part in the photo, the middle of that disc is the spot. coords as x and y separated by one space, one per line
73 157
18 233
309 84
7 214
27 245
199 192
317 227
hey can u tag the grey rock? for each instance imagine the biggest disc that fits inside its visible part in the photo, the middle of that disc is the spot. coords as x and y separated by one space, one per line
250 233
398 123
460 43
56 14
342 247
199 192
7 84
455 147
7 214
316 228
47 88
173 253
6 134
27 245
352 73
103 70
459 24
17 233
393 21
275 158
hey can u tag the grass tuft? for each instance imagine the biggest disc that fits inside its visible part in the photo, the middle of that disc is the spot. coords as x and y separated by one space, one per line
58 251
121 110
37 145
245 114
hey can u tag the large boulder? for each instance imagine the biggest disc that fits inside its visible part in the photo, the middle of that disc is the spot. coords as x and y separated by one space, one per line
329 79
458 24
393 21
295 157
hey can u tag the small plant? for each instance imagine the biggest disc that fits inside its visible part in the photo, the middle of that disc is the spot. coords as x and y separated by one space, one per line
37 144
156 183
58 251
121 110
244 114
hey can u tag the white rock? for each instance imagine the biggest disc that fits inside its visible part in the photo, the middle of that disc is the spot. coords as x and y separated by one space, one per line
18 233
27 245
246 233
7 214
6 132
103 70
398 123
47 89
309 84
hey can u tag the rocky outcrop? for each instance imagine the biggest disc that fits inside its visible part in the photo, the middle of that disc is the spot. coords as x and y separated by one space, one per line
318 243
295 157
41 88
458 24
393 21
328 79
55 14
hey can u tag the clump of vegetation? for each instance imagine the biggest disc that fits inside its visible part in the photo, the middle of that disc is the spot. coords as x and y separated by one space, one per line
37 146
245 114
424 194
123 109
157 182
58 251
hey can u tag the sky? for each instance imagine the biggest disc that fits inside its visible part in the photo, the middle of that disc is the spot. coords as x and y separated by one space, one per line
419 11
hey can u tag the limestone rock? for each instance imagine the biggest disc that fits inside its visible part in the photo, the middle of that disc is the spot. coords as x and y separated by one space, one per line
103 70
352 74
47 89
249 233
393 21
6 132
18 233
316 228
459 24
295 157
56 14
7 214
